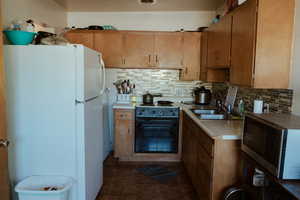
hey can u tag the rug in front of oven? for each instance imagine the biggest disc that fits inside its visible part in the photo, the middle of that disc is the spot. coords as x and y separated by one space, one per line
159 173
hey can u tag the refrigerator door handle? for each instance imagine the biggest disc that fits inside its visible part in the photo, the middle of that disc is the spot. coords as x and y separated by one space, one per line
103 74
85 101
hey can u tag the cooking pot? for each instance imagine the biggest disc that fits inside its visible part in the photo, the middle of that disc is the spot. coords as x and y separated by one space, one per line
202 96
148 98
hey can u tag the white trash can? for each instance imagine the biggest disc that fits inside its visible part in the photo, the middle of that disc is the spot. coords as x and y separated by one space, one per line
44 188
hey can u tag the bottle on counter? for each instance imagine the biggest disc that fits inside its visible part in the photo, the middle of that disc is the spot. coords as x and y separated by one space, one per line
133 95
241 107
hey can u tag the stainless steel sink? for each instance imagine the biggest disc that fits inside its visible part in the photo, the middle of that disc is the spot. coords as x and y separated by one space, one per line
208 114
212 116
200 111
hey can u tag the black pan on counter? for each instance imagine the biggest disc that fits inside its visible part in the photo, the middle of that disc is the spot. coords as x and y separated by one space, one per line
165 103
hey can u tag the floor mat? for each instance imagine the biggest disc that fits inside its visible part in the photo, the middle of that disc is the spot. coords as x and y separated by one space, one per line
159 173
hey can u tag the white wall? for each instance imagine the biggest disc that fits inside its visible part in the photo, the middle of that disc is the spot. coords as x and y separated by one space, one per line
42 11
157 21
296 63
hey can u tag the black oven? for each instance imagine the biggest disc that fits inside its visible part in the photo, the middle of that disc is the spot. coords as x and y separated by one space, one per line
273 145
156 130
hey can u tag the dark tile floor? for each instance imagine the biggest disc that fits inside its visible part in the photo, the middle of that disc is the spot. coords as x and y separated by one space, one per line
122 181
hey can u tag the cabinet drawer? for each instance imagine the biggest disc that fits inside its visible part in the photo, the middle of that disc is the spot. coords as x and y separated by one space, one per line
124 114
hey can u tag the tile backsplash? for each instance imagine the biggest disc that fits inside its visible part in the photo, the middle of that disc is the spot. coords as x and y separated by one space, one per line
156 81
280 100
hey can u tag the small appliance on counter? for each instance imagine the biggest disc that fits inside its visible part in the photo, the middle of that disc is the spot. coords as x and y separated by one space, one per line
272 140
202 96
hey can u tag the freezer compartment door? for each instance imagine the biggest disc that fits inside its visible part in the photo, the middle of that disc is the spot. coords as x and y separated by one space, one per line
90 142
89 74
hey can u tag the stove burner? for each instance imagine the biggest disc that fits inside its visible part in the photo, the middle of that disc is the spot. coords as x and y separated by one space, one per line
164 103
147 104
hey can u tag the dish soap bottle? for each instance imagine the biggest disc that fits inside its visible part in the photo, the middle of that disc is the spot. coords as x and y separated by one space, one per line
241 108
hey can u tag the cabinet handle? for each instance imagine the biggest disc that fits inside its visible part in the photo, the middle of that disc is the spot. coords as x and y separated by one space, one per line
149 59
124 61
128 131
156 57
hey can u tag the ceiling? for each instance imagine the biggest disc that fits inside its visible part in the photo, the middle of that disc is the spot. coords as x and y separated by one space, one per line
134 5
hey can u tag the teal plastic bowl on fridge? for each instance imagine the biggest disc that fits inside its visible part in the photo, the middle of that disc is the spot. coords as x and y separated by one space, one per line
20 37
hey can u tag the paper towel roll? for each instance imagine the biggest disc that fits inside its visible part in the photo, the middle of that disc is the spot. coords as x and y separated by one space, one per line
258 106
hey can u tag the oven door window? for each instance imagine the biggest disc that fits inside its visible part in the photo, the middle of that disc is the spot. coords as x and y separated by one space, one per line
156 135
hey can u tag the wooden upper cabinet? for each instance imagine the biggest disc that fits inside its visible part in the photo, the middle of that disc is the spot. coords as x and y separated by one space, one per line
214 75
274 46
243 44
203 56
84 38
261 53
168 50
138 49
219 43
191 56
110 44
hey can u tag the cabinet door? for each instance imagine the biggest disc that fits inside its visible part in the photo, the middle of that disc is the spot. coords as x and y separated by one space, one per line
188 154
84 38
219 43
124 133
110 44
203 57
169 50
243 44
191 56
139 48
204 174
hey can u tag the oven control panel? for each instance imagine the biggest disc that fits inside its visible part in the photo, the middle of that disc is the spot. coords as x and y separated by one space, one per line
157 112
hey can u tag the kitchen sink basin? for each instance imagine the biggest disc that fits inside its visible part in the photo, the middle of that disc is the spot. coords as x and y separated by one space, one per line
212 116
200 111
208 114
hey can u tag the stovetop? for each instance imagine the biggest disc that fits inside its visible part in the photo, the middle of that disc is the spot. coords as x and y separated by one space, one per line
157 111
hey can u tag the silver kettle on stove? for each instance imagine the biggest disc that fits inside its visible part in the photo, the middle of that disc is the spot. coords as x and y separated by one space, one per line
202 96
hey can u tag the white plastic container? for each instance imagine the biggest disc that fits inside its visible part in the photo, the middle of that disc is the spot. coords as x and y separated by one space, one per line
32 188
258 106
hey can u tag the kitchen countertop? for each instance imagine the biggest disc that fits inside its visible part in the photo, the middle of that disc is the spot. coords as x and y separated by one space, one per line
285 121
130 106
292 187
216 129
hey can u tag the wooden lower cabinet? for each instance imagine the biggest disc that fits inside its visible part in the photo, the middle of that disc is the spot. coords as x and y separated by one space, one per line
212 165
124 133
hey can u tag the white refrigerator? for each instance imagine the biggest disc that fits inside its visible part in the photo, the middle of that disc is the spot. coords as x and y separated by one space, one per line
55 114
